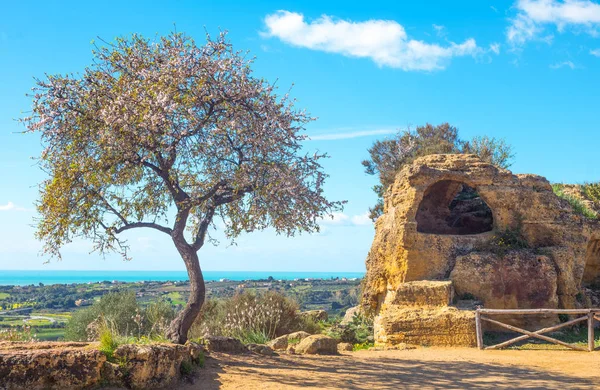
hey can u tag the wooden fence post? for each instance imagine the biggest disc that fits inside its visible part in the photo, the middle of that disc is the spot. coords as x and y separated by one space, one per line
478 330
591 342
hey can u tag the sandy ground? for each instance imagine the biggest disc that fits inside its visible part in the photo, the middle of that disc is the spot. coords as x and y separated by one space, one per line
423 368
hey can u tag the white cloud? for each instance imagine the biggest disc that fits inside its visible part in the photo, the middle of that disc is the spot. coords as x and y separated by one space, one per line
362 219
383 41
595 52
564 64
494 8
533 16
341 219
351 134
10 206
495 48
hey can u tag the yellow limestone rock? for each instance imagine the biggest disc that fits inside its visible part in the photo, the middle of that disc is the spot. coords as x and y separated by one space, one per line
439 214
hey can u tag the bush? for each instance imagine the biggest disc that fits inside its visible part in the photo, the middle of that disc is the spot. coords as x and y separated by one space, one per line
250 317
121 315
108 344
359 331
592 192
504 241
576 204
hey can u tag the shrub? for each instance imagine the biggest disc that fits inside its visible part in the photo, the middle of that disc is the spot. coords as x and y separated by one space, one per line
359 331
108 344
592 192
506 240
24 333
199 361
186 368
120 313
576 204
250 317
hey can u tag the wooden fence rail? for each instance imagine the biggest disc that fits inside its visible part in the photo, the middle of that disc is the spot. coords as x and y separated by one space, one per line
588 315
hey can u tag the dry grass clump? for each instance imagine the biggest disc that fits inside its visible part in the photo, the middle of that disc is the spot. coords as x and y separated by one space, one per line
250 317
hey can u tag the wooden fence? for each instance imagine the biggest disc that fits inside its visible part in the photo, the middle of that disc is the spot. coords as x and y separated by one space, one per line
588 315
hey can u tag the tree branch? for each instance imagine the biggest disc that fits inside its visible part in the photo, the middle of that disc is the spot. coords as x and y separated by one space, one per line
202 229
152 225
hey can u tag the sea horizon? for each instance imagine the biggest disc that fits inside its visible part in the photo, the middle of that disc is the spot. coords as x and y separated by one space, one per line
49 277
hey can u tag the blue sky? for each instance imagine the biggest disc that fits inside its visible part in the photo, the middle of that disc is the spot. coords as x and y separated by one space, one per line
527 71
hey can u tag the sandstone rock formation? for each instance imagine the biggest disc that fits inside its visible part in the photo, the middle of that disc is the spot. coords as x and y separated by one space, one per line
282 342
440 216
59 365
317 344
349 315
225 344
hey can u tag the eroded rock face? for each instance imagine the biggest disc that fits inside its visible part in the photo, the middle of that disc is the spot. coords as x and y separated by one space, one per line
349 315
81 365
440 213
51 366
519 280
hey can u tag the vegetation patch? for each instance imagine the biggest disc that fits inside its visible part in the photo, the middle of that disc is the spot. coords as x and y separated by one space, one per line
578 206
505 241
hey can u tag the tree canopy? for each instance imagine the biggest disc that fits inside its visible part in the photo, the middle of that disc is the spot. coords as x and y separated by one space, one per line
387 157
169 135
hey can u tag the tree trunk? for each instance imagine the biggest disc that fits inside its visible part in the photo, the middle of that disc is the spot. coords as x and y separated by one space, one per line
178 330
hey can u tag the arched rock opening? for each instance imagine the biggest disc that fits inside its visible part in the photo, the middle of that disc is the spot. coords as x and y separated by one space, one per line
452 207
591 274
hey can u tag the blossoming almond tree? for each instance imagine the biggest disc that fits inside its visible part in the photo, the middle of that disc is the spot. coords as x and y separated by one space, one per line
169 135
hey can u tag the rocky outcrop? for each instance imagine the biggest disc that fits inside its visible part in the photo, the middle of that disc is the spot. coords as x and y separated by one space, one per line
225 345
420 313
349 315
49 366
317 344
440 216
81 365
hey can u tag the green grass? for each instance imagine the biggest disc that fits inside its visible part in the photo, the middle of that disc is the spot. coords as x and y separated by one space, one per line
11 321
578 206
176 298
576 336
4 296
361 346
50 334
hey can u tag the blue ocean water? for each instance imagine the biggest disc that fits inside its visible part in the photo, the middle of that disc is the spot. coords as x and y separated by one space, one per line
23 278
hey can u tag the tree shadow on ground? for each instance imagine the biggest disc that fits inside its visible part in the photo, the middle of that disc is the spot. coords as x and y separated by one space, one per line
344 372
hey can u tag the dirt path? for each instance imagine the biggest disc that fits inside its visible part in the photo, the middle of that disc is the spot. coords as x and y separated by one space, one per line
424 368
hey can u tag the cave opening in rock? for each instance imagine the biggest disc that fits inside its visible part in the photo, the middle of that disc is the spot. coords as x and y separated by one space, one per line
452 207
591 273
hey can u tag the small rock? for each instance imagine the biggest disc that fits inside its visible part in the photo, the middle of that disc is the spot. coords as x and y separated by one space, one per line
281 342
260 349
317 344
225 344
344 347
